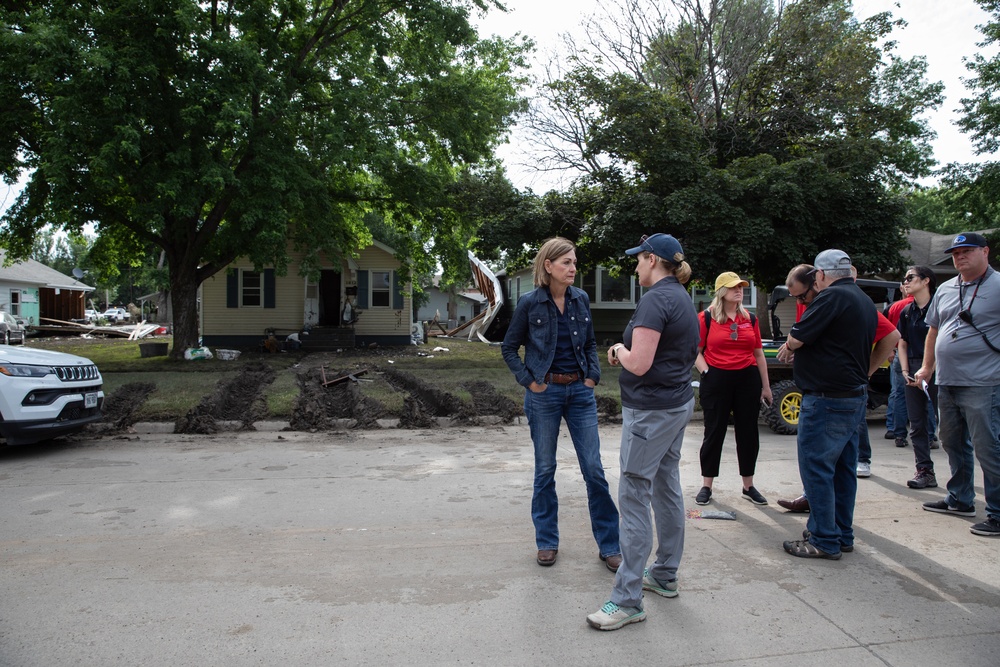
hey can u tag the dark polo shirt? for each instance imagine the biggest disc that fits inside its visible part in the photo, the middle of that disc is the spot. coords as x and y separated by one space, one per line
666 308
837 332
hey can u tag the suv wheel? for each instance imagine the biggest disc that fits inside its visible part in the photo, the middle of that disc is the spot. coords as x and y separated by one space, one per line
783 415
6 337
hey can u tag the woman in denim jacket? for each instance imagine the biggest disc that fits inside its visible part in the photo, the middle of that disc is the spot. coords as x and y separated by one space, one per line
559 372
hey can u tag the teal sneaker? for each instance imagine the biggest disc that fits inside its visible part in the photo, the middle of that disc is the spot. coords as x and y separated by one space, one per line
667 589
612 617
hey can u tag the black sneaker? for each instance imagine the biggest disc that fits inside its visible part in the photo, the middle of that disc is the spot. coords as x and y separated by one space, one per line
753 495
988 528
935 444
943 507
704 496
901 442
924 479
889 435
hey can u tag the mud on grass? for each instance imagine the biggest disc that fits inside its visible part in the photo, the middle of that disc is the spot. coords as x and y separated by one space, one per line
241 398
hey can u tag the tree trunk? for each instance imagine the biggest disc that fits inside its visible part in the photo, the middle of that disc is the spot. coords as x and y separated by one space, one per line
184 299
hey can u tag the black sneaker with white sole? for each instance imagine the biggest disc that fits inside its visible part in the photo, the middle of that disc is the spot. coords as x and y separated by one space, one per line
753 495
943 507
704 496
988 528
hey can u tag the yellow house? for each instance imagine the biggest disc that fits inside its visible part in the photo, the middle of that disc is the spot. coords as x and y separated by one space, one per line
355 302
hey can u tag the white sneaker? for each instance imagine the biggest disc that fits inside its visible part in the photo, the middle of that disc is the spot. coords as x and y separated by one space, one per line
864 469
612 617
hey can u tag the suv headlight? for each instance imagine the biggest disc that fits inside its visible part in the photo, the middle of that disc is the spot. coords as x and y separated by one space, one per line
25 371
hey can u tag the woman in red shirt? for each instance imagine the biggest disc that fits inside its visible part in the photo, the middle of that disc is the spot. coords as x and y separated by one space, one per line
733 381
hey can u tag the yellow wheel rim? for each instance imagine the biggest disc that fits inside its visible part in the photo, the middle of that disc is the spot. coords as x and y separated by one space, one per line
790 406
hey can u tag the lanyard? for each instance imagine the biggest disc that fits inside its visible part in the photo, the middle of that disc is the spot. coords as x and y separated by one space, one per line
961 292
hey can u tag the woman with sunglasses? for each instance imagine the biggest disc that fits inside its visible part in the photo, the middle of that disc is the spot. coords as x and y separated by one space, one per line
919 283
733 381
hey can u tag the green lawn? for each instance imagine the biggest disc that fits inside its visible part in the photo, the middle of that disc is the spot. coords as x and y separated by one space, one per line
182 384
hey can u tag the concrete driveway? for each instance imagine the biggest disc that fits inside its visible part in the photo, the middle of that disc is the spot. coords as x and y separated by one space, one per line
396 547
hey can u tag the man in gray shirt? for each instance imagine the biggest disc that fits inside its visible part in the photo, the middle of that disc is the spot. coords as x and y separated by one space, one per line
963 344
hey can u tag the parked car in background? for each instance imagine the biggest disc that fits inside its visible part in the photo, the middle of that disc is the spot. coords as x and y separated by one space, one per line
11 329
115 315
46 394
91 315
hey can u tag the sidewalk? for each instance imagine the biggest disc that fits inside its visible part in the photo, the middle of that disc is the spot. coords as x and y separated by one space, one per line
397 547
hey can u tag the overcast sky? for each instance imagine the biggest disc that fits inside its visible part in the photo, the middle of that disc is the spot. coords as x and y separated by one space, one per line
942 30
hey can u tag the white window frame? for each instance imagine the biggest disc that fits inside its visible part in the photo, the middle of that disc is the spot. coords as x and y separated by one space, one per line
387 289
15 302
597 300
244 289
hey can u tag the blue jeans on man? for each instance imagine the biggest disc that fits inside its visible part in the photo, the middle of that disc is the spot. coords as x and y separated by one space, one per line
895 410
970 429
828 458
545 411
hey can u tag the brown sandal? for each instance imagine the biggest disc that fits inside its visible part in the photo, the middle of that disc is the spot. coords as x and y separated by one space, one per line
806 549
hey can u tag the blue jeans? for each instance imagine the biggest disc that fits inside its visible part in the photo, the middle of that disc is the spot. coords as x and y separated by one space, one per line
864 441
970 423
895 411
575 402
828 458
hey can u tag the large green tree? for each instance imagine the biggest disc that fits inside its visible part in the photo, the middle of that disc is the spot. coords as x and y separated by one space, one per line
758 132
214 130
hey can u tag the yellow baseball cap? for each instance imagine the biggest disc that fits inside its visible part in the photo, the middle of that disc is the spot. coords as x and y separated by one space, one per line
730 279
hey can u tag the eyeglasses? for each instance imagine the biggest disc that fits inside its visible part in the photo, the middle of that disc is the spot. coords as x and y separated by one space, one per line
801 298
733 335
911 276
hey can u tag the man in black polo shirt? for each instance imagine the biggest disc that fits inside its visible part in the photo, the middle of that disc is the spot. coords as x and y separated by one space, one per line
832 346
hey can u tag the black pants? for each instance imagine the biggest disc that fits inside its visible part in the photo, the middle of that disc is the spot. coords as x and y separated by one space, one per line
916 409
730 392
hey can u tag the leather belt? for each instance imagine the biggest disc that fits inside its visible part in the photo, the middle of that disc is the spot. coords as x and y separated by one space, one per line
561 378
854 393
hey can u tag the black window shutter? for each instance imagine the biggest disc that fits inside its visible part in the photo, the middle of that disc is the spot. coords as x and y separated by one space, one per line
362 289
232 288
269 288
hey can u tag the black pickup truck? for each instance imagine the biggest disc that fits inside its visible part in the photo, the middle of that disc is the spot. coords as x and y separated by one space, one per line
783 415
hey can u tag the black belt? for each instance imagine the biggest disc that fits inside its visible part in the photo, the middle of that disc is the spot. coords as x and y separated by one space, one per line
854 393
561 378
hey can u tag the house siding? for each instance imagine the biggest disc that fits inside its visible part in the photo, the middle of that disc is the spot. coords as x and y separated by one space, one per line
246 326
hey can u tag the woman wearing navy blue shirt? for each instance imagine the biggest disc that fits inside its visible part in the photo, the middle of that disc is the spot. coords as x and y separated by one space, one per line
919 283
559 372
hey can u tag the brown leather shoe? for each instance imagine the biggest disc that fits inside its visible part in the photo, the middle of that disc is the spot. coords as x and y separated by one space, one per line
547 556
613 562
799 505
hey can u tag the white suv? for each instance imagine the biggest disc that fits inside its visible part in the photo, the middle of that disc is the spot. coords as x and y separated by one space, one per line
46 394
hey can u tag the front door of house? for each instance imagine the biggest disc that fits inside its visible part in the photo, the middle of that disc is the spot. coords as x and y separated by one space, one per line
329 298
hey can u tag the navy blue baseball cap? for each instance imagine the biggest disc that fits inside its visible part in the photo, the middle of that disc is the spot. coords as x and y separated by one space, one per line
968 240
661 245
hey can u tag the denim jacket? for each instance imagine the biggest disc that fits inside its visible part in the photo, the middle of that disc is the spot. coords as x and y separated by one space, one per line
535 325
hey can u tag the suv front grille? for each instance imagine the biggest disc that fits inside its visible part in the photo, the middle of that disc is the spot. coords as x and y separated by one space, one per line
76 373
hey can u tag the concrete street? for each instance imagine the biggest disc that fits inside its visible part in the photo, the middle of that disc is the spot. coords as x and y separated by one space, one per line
395 547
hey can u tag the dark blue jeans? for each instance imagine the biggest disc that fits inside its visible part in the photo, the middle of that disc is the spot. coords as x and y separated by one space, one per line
828 459
545 411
